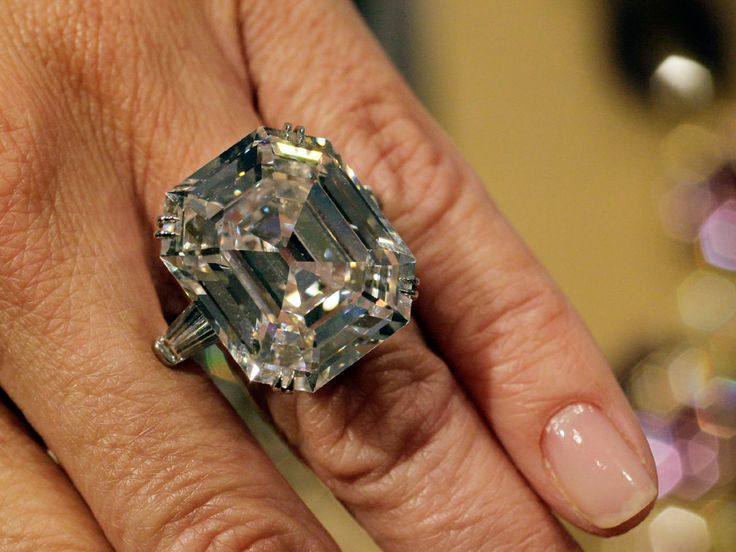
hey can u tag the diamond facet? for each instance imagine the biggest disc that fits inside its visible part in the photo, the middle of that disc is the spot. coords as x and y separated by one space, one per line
288 257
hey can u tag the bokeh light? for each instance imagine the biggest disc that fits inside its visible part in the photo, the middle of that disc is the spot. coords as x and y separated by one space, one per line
688 373
722 183
683 208
669 465
721 516
718 236
691 153
681 83
699 455
649 389
706 300
716 408
675 529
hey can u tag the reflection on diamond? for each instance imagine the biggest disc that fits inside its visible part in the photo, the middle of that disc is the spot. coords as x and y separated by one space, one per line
706 300
289 258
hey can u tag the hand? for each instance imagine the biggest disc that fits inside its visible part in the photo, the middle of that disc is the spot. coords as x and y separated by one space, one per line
453 435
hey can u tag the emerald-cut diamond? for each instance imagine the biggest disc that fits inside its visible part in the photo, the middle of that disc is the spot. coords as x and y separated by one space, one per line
288 258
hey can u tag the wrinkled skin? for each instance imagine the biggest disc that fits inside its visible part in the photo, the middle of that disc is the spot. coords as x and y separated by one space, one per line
432 441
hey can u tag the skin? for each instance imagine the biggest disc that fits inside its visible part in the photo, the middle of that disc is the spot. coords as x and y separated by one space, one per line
432 441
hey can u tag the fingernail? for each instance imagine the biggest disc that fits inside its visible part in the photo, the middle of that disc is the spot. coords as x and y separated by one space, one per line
595 467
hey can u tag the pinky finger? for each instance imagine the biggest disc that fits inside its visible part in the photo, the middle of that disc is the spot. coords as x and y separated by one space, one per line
39 507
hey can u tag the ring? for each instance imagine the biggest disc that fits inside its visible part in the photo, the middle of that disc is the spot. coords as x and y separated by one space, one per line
287 259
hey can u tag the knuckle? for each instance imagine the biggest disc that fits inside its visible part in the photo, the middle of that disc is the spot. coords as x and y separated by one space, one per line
415 176
465 507
195 509
168 490
33 145
69 43
43 294
515 517
27 527
528 323
79 70
371 424
25 151
216 525
513 526
60 543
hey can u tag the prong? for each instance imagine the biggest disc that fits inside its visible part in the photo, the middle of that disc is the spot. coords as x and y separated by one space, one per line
299 135
164 219
409 287
284 383
167 226
287 130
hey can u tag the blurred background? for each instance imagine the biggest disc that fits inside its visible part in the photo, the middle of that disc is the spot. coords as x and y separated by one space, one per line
604 129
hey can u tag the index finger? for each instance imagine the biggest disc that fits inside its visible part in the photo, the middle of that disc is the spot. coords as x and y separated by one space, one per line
511 337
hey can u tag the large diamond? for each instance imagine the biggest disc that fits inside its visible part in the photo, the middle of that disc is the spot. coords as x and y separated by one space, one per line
289 258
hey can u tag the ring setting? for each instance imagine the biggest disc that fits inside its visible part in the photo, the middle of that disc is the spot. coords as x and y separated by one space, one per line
288 261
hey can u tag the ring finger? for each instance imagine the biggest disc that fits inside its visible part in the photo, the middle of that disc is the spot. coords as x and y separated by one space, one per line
395 439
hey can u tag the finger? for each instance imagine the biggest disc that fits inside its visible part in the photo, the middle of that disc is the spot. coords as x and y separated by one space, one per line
426 429
39 507
398 443
158 455
514 342
484 485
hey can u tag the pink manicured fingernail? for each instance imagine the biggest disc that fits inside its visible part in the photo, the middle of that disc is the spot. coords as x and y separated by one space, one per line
601 475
